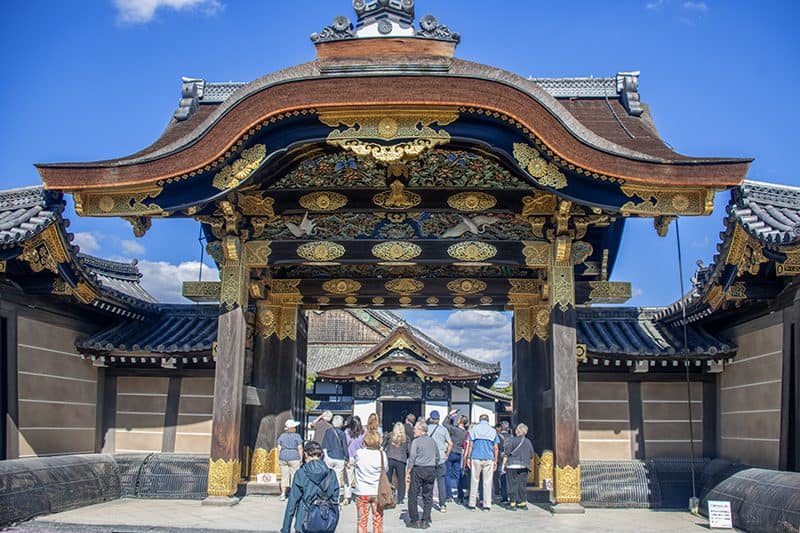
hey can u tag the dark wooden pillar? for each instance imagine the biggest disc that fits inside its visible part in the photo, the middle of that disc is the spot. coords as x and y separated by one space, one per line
563 344
531 376
275 360
225 468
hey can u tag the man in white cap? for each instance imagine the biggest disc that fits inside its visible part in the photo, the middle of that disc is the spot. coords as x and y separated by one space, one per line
322 425
290 450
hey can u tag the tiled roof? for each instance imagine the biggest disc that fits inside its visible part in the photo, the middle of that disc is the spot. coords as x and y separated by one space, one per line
769 212
619 332
175 329
26 211
122 278
325 357
588 87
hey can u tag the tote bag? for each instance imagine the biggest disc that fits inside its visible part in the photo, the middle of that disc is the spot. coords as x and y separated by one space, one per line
385 489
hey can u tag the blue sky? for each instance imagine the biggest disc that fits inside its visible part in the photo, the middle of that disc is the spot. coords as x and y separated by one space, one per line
95 79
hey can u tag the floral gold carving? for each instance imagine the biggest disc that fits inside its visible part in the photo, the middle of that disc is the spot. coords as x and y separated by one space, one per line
323 201
378 300
666 201
466 286
257 205
277 315
256 253
264 462
201 291
609 292
472 251
351 300
568 484
223 476
233 284
139 224
544 468
397 197
367 131
323 300
536 253
44 251
540 204
341 286
404 286
459 300
129 201
486 300
234 174
738 291
432 300
472 201
547 174
320 251
396 251
791 265
581 353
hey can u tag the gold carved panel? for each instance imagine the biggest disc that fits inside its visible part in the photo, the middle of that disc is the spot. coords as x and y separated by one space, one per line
466 286
323 201
396 251
320 251
568 484
472 201
234 174
472 251
397 197
665 201
404 286
609 292
223 476
536 253
546 173
132 201
341 286
256 253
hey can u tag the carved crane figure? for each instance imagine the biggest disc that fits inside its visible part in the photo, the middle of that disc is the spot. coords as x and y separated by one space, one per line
306 227
475 225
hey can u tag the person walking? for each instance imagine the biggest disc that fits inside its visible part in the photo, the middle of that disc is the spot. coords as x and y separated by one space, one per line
458 435
334 445
441 436
517 456
354 436
290 450
374 424
482 451
368 463
396 446
312 480
500 488
420 475
409 425
322 425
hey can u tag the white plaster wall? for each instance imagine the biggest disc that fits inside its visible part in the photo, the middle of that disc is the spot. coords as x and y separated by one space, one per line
481 408
459 395
364 408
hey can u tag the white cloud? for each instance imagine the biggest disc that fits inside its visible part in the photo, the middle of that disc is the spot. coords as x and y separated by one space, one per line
139 11
132 247
701 7
487 355
655 4
476 319
163 280
86 241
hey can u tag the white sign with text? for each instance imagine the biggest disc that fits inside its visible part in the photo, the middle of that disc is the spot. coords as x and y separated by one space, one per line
719 515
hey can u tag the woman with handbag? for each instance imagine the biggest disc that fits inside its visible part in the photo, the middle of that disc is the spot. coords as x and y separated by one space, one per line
314 497
370 464
396 446
517 457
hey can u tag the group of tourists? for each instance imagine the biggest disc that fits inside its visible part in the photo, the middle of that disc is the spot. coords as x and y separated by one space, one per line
345 461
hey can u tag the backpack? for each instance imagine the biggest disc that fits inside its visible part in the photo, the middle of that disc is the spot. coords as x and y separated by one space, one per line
322 515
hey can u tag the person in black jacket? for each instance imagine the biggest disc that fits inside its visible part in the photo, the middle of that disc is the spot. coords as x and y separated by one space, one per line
517 456
309 483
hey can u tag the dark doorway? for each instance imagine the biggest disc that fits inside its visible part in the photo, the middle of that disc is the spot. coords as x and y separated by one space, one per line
396 410
4 388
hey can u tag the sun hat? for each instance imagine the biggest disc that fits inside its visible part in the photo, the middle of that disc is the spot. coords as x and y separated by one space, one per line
291 423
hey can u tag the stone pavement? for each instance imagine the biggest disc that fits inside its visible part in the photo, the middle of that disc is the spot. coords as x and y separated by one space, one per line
265 514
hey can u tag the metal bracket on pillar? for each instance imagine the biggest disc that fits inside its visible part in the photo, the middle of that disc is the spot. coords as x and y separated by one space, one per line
531 315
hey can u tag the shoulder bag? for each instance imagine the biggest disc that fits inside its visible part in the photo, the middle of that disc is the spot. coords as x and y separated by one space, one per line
385 489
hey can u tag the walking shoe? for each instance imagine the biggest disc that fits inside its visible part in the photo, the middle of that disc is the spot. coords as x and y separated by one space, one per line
522 506
418 524
283 497
442 508
486 508
470 507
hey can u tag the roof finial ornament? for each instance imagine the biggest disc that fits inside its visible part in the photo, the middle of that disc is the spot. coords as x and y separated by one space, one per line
384 18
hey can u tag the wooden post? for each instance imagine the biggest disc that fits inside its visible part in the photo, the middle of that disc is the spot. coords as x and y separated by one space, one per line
563 344
225 466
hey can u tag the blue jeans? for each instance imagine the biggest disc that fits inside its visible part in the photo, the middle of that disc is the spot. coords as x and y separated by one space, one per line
453 479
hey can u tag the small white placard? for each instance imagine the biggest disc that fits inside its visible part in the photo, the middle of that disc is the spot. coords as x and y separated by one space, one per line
719 515
266 478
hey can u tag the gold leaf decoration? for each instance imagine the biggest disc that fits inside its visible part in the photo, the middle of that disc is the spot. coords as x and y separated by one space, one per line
223 476
257 205
341 286
472 251
264 462
404 286
536 253
395 251
472 201
364 127
320 251
486 300
547 174
466 286
567 484
668 201
234 174
397 197
323 201
378 300
432 300
131 201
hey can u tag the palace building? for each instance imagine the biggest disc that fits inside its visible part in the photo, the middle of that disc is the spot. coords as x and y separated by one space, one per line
386 173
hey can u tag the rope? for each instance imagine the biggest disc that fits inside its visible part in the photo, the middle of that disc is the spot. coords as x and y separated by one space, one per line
686 360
